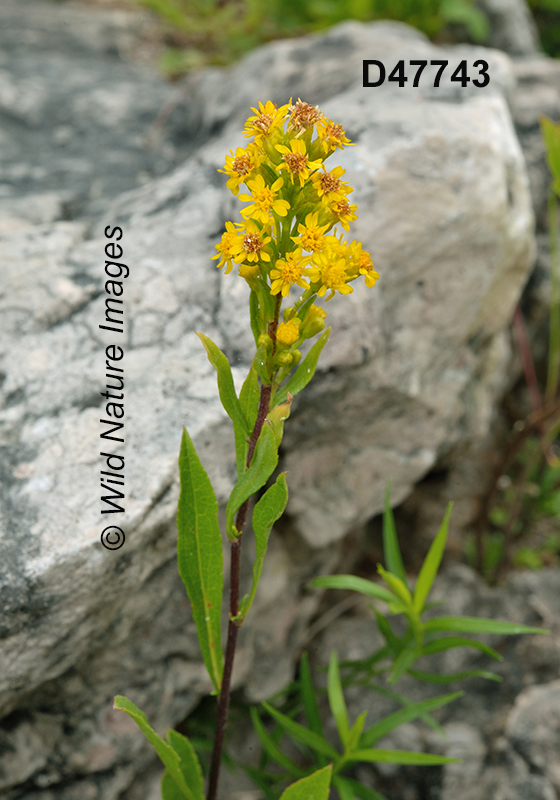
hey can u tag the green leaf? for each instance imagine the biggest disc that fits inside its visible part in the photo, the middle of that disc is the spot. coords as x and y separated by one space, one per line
431 564
189 763
200 555
301 734
167 754
410 712
433 677
400 757
272 749
551 136
249 398
478 625
399 588
266 512
305 370
402 663
261 468
343 788
394 643
226 388
353 583
356 731
169 789
255 313
314 787
260 364
336 700
308 696
391 550
449 642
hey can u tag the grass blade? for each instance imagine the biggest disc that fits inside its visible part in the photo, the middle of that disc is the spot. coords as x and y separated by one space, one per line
431 564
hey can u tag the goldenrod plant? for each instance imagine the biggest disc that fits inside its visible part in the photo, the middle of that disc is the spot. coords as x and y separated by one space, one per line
290 248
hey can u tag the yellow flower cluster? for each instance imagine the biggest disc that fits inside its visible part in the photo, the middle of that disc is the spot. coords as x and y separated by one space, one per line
288 236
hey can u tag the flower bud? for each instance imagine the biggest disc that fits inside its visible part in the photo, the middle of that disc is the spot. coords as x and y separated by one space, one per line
296 356
265 341
284 359
314 322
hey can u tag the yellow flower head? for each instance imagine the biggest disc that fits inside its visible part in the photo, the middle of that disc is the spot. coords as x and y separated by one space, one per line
332 135
226 247
250 245
242 165
344 212
311 234
287 272
296 160
302 116
267 118
264 200
288 332
328 185
366 268
330 272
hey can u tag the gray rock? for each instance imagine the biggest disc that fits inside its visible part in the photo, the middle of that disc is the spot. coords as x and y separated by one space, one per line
414 366
512 27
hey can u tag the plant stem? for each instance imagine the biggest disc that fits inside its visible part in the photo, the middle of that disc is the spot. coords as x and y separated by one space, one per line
235 575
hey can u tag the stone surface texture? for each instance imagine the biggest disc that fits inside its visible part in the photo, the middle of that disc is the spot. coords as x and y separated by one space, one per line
414 367
512 28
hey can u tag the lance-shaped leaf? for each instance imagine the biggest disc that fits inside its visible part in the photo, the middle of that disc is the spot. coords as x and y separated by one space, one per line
478 625
431 564
399 757
434 677
260 364
255 312
361 791
391 549
336 700
353 583
356 731
407 714
261 468
200 556
229 399
314 787
168 755
305 370
450 642
309 698
551 135
271 747
226 388
266 512
301 734
189 763
397 586
403 661
249 397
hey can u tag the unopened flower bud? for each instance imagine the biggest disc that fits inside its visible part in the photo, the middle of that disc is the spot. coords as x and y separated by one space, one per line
296 356
265 340
284 359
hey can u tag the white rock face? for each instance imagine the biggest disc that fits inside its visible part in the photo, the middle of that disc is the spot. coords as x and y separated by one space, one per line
413 366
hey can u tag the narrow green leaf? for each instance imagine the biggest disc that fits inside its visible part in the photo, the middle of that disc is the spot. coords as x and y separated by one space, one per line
249 397
551 136
166 753
400 757
353 583
391 549
336 700
255 313
308 696
402 663
262 466
433 677
314 787
405 702
361 791
343 787
305 370
260 364
399 588
169 789
356 731
478 625
266 512
200 555
303 735
189 763
431 564
410 712
226 388
272 749
394 643
449 642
